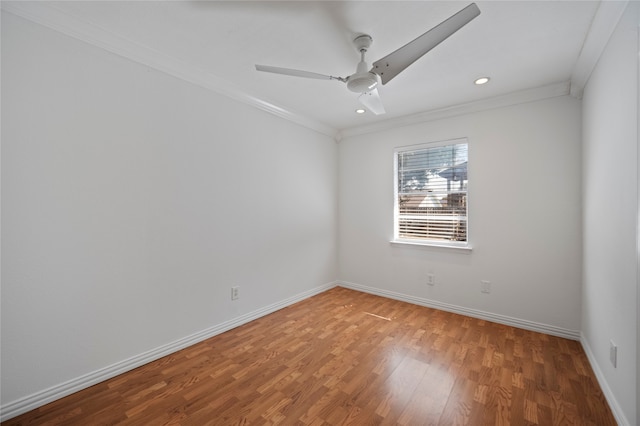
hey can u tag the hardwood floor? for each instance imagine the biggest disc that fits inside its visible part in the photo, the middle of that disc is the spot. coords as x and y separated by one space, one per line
350 358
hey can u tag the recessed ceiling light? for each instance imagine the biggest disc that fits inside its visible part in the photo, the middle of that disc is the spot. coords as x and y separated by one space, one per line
361 111
481 80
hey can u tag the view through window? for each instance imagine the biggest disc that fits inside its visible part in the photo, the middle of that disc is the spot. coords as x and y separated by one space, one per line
431 193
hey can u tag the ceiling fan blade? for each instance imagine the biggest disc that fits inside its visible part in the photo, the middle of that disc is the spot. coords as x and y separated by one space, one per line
296 73
394 63
372 101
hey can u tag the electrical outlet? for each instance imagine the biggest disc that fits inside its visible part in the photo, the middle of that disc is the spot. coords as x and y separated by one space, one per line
431 279
613 354
235 292
485 286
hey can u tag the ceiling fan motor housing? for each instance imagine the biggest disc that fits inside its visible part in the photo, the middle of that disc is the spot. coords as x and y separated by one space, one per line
361 82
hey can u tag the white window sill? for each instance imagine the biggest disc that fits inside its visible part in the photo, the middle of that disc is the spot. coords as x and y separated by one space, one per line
426 244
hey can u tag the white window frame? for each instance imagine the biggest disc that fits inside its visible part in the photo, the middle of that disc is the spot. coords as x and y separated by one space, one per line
459 245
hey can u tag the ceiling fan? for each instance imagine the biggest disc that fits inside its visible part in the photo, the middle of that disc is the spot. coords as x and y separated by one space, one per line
366 81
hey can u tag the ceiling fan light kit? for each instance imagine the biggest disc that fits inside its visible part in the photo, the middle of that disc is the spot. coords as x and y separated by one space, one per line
365 81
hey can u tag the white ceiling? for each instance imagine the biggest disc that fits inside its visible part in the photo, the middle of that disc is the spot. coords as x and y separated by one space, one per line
519 44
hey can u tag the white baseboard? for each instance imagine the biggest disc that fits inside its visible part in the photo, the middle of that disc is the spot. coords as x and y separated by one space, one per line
602 381
515 322
61 390
502 319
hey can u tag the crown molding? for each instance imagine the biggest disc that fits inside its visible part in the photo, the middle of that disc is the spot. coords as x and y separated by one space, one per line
55 19
605 20
514 98
604 23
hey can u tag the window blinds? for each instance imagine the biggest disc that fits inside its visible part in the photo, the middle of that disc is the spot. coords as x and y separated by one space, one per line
431 193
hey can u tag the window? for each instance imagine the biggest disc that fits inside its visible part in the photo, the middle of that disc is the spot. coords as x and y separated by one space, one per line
431 193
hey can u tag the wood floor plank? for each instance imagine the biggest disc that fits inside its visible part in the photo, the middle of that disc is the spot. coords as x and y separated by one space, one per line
350 358
428 401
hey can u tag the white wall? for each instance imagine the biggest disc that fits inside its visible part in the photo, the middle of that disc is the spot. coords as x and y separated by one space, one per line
610 185
132 202
524 215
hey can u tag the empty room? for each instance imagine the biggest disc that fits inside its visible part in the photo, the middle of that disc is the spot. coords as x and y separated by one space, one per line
320 212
